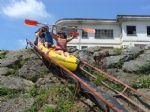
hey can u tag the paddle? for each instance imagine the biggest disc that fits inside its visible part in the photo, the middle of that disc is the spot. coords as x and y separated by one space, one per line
36 23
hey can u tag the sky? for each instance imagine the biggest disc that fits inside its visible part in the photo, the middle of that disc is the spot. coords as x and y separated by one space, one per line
13 32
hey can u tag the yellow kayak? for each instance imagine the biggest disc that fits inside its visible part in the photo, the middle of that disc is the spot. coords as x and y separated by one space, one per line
70 62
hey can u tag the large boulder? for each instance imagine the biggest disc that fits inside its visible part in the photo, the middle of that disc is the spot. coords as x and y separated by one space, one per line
135 65
112 61
15 83
9 61
32 70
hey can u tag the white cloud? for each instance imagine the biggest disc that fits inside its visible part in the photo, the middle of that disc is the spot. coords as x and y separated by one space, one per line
25 9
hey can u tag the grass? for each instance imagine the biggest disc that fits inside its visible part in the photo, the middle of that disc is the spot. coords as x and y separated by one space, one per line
49 109
8 92
118 51
116 65
142 82
115 86
61 95
99 78
145 69
66 100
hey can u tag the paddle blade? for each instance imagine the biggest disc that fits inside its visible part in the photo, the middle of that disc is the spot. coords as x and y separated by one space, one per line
31 22
89 30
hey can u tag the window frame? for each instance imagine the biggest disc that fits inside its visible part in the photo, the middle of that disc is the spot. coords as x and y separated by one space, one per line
84 47
147 30
109 34
127 32
83 35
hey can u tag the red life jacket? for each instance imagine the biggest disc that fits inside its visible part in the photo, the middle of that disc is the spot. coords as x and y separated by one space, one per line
61 44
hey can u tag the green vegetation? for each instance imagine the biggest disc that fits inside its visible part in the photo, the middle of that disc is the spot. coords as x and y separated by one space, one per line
2 54
145 69
61 95
118 51
49 109
10 72
99 78
66 100
9 92
115 86
142 82
116 65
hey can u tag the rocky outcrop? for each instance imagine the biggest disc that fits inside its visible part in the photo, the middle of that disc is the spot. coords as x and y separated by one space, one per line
27 85
19 104
15 83
33 69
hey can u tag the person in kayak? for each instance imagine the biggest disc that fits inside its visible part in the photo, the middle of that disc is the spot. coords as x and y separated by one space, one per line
44 36
62 40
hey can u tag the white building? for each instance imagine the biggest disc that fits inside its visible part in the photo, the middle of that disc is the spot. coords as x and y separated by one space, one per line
125 30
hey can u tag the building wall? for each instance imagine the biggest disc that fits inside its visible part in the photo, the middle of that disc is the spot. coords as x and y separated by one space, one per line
91 41
141 33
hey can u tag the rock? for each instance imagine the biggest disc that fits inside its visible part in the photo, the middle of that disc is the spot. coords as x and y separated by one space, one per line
94 49
8 61
23 53
128 78
3 70
32 70
135 65
112 61
132 51
15 83
99 55
48 81
19 104
86 56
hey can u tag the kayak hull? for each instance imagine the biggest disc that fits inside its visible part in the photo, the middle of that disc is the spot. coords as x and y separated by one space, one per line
70 62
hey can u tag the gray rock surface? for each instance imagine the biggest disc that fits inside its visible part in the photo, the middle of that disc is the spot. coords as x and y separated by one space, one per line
3 70
19 104
134 65
112 60
86 56
32 70
15 83
8 61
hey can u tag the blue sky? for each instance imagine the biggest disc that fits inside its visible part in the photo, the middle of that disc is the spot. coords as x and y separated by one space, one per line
13 32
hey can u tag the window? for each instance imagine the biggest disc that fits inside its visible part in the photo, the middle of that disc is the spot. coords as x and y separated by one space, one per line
72 47
103 34
131 30
84 35
148 30
84 47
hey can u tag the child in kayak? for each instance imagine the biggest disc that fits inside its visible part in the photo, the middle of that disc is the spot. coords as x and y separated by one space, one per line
62 40
43 36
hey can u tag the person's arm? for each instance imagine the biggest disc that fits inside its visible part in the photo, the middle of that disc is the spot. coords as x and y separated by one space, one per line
72 35
55 36
70 38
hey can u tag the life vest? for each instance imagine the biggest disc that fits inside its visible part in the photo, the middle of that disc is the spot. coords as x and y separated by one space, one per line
61 44
48 38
